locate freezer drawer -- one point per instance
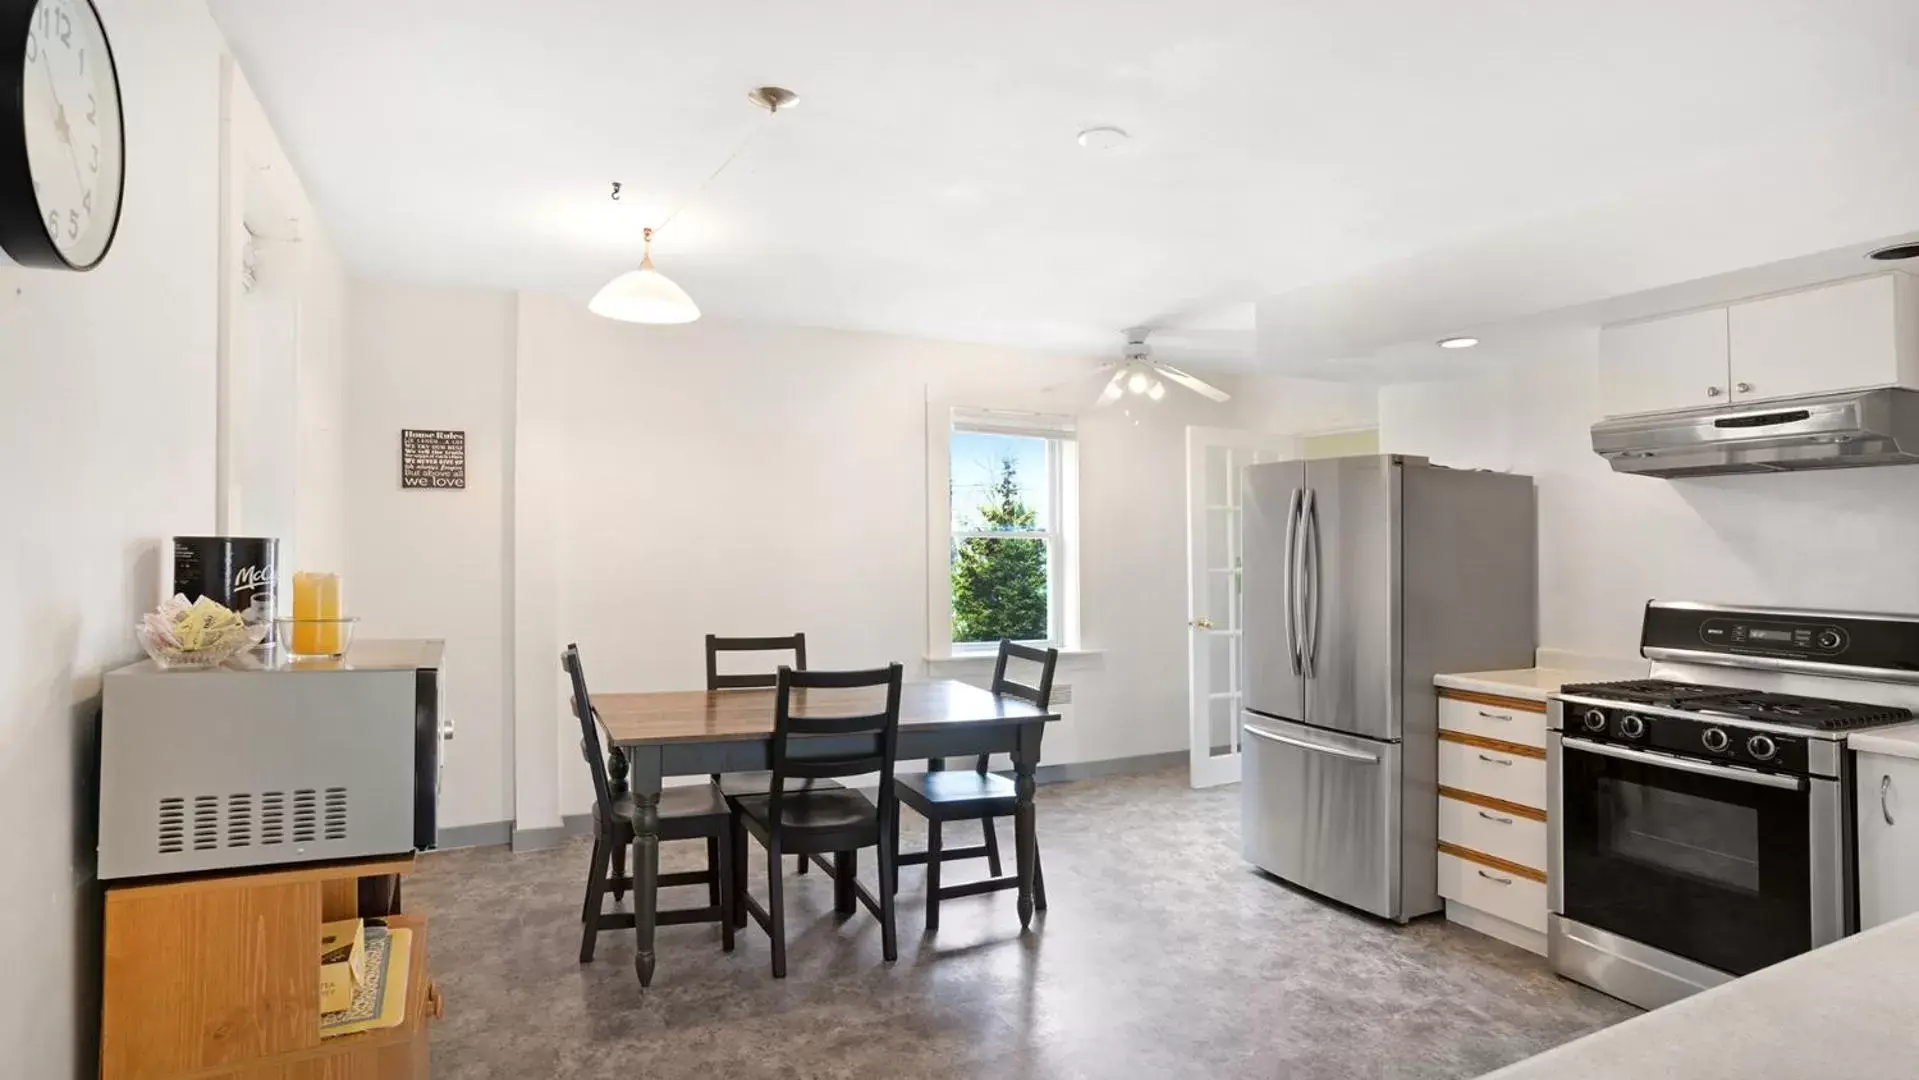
(1322, 811)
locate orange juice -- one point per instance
(316, 596)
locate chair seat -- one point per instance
(736, 785)
(836, 812)
(947, 793)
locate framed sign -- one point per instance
(432, 459)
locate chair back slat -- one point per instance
(590, 746)
(715, 645)
(877, 733)
(1041, 696)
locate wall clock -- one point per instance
(62, 144)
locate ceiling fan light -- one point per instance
(1156, 391)
(1137, 382)
(644, 296)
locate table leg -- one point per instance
(1025, 840)
(644, 777)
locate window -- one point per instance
(1010, 481)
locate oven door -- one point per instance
(1709, 863)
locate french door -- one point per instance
(1215, 459)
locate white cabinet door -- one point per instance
(1837, 337)
(1678, 362)
(1888, 809)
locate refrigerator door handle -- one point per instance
(1292, 579)
(1310, 541)
(1317, 748)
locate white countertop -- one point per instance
(1901, 740)
(1850, 1009)
(1531, 684)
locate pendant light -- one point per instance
(644, 296)
(647, 296)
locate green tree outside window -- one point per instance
(999, 583)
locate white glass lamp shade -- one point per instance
(644, 296)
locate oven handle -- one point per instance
(1702, 768)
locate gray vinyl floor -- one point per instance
(1164, 955)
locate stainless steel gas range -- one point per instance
(1701, 819)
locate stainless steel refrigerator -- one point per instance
(1363, 578)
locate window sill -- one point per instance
(987, 657)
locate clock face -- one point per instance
(70, 111)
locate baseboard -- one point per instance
(493, 833)
(1493, 926)
(1093, 770)
(485, 834)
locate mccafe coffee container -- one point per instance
(237, 571)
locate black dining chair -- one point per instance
(833, 739)
(691, 812)
(941, 796)
(733, 785)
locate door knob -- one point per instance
(1744, 388)
(1715, 391)
(1202, 623)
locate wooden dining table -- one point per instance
(701, 732)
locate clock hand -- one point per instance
(60, 121)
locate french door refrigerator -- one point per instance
(1363, 577)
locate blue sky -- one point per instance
(976, 459)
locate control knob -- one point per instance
(1715, 739)
(1631, 726)
(1762, 747)
(1595, 720)
(1828, 639)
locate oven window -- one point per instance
(1708, 868)
(1682, 834)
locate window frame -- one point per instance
(1060, 535)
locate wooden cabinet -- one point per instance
(1853, 335)
(1888, 807)
(1492, 816)
(1678, 362)
(218, 978)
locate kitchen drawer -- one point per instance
(1513, 837)
(1503, 774)
(1522, 722)
(1494, 891)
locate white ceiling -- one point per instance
(929, 183)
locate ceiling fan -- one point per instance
(1137, 373)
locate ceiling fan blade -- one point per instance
(1115, 389)
(1196, 385)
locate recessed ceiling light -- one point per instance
(1102, 138)
(1897, 252)
(1458, 342)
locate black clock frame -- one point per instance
(23, 231)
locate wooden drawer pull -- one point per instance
(435, 1004)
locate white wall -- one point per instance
(745, 479)
(658, 483)
(107, 392)
(1608, 543)
(432, 563)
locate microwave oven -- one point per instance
(284, 763)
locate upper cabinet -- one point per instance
(1679, 362)
(1853, 335)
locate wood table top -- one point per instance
(670, 716)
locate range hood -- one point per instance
(1829, 431)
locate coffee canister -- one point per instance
(237, 571)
